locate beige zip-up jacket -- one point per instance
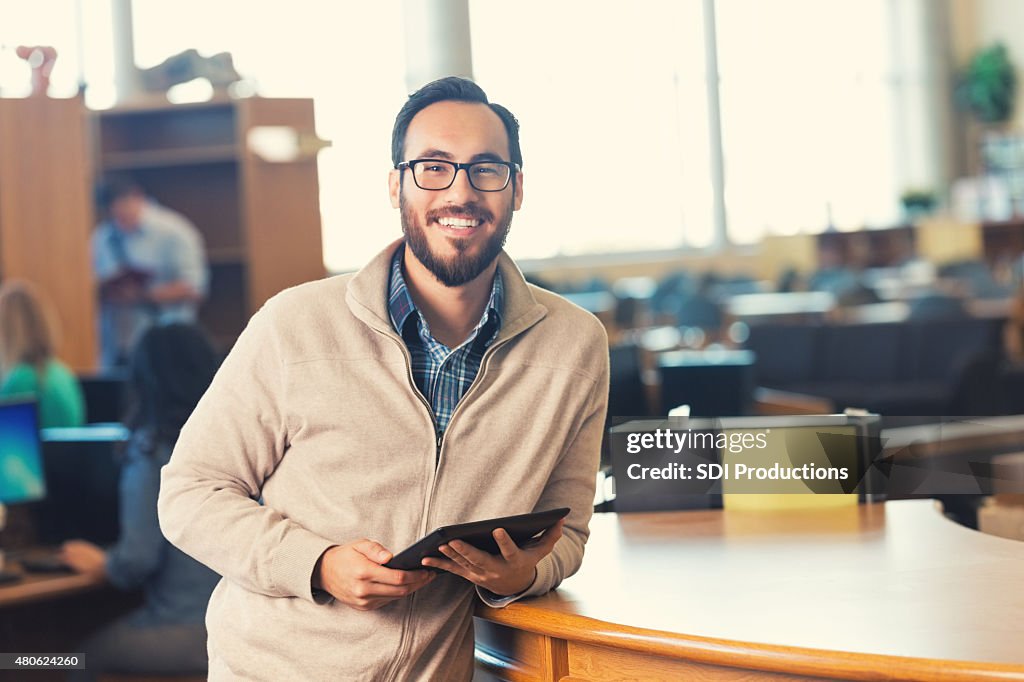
(315, 412)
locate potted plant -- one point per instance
(917, 202)
(988, 85)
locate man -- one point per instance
(150, 267)
(356, 414)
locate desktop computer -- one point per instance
(21, 463)
(82, 470)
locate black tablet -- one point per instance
(521, 528)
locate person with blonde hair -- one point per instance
(28, 364)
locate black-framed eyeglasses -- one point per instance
(436, 175)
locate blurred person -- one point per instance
(28, 364)
(150, 267)
(170, 369)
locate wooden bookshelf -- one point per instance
(46, 214)
(260, 220)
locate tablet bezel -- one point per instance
(521, 527)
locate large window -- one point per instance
(821, 108)
(821, 113)
(614, 121)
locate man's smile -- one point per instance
(458, 222)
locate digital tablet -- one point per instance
(521, 528)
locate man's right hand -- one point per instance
(352, 574)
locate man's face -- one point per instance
(460, 132)
(126, 211)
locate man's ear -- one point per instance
(395, 187)
(517, 197)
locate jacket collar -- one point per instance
(367, 295)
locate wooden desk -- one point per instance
(893, 592)
(44, 587)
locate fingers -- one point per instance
(449, 566)
(374, 551)
(367, 596)
(396, 578)
(550, 537)
(353, 574)
(506, 545)
(367, 569)
(467, 556)
(544, 544)
(374, 590)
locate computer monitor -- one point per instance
(104, 396)
(21, 464)
(82, 473)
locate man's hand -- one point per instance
(353, 575)
(506, 574)
(84, 557)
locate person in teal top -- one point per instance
(28, 365)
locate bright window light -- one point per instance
(612, 102)
(354, 70)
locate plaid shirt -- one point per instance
(441, 374)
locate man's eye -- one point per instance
(434, 168)
(485, 170)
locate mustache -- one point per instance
(467, 211)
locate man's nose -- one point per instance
(461, 187)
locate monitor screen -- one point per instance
(21, 466)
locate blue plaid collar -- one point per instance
(400, 305)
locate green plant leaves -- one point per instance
(988, 86)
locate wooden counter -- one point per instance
(893, 592)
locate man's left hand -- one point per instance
(504, 574)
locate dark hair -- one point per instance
(171, 367)
(450, 89)
(114, 187)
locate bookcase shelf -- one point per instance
(260, 221)
(182, 156)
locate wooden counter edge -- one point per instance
(743, 655)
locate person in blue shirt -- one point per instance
(171, 367)
(150, 266)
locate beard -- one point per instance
(463, 267)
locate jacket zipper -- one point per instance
(403, 642)
(484, 362)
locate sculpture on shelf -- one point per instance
(183, 67)
(41, 59)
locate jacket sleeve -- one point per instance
(572, 483)
(231, 444)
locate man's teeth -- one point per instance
(458, 222)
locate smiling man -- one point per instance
(357, 413)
